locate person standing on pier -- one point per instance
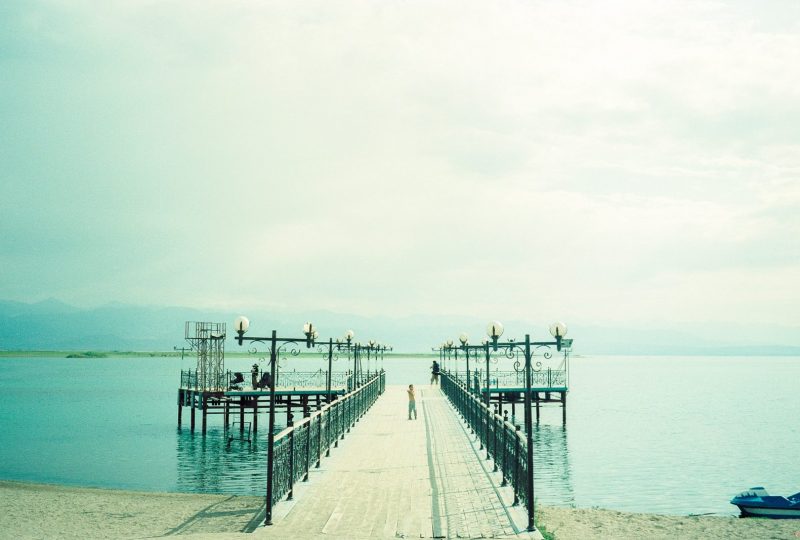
(435, 372)
(254, 376)
(412, 402)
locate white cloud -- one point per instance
(594, 159)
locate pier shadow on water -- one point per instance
(211, 463)
(552, 471)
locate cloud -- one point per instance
(590, 160)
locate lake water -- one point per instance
(673, 435)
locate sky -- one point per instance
(606, 162)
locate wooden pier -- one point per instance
(398, 478)
(236, 405)
(230, 404)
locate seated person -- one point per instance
(237, 381)
(266, 380)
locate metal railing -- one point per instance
(286, 379)
(546, 378)
(540, 380)
(502, 440)
(299, 447)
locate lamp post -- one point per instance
(372, 346)
(454, 351)
(466, 347)
(182, 349)
(332, 345)
(448, 351)
(383, 349)
(464, 339)
(275, 345)
(494, 331)
(348, 345)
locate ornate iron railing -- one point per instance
(299, 447)
(191, 379)
(546, 378)
(540, 380)
(286, 379)
(502, 440)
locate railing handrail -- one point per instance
(190, 379)
(297, 447)
(310, 418)
(510, 456)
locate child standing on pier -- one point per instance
(412, 402)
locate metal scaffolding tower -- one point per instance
(208, 339)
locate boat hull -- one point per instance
(774, 513)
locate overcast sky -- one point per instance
(603, 162)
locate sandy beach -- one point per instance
(569, 524)
(46, 511)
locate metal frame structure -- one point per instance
(208, 340)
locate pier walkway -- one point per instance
(398, 478)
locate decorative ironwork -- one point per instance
(542, 378)
(288, 379)
(299, 448)
(279, 349)
(325, 350)
(485, 423)
(503, 441)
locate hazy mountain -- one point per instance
(54, 325)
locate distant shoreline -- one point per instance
(163, 354)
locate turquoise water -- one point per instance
(674, 435)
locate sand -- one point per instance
(46, 511)
(568, 524)
(55, 512)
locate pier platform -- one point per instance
(399, 478)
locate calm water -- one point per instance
(676, 435)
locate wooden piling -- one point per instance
(255, 414)
(205, 411)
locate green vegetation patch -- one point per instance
(87, 354)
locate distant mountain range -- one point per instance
(54, 325)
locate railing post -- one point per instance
(307, 427)
(505, 448)
(349, 418)
(328, 439)
(517, 457)
(339, 425)
(495, 419)
(319, 439)
(487, 428)
(291, 466)
(473, 421)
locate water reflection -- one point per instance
(552, 471)
(209, 464)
